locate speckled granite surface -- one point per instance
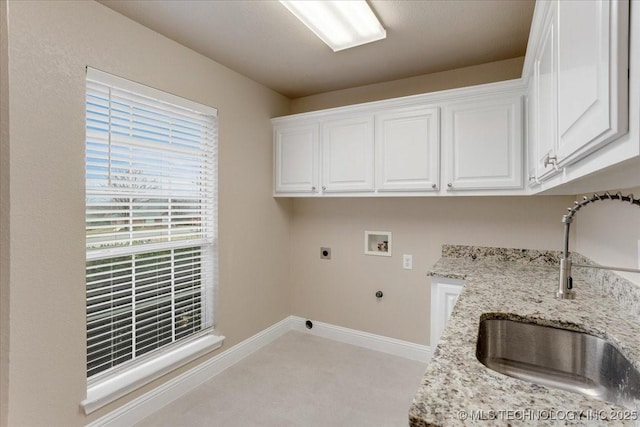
(626, 293)
(519, 285)
(522, 256)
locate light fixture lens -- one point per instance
(340, 24)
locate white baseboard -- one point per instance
(147, 404)
(408, 350)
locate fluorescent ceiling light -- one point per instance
(339, 23)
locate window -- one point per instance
(151, 208)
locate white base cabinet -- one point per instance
(444, 294)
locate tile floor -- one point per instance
(302, 380)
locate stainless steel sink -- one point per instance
(559, 358)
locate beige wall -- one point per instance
(468, 76)
(4, 218)
(608, 233)
(269, 262)
(341, 291)
(50, 43)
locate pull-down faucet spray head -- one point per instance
(565, 285)
(565, 288)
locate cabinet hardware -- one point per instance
(551, 160)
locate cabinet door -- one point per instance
(347, 154)
(444, 295)
(544, 79)
(407, 150)
(483, 144)
(530, 132)
(592, 75)
(296, 159)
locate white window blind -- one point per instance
(151, 215)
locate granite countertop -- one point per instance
(521, 285)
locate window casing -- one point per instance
(151, 214)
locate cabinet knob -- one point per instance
(551, 160)
(313, 188)
(434, 186)
(450, 185)
(324, 188)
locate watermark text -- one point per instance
(547, 415)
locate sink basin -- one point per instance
(558, 358)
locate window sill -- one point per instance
(114, 387)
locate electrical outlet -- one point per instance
(325, 253)
(407, 262)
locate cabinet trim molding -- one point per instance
(434, 99)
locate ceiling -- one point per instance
(265, 42)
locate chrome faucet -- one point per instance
(565, 286)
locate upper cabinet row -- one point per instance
(577, 71)
(566, 125)
(397, 148)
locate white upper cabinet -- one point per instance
(347, 154)
(407, 150)
(580, 85)
(577, 68)
(296, 158)
(592, 75)
(545, 96)
(396, 147)
(482, 141)
(531, 119)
